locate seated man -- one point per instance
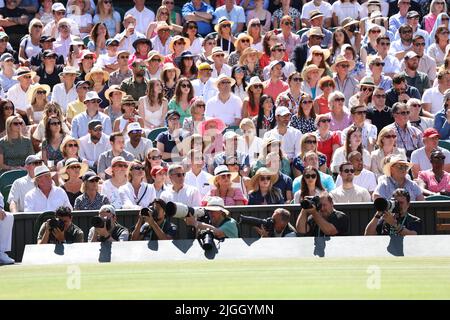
(362, 177)
(322, 221)
(6, 228)
(397, 222)
(349, 192)
(111, 230)
(281, 226)
(69, 233)
(222, 225)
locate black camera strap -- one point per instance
(145, 191)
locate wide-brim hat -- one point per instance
(70, 162)
(35, 87)
(368, 82)
(263, 171)
(220, 171)
(113, 88)
(92, 95)
(215, 51)
(315, 31)
(248, 52)
(69, 70)
(170, 66)
(394, 160)
(23, 71)
(243, 36)
(254, 81)
(223, 77)
(184, 55)
(40, 171)
(176, 38)
(152, 54)
(66, 140)
(347, 22)
(141, 40)
(216, 204)
(340, 59)
(162, 25)
(221, 21)
(220, 125)
(309, 68)
(115, 160)
(373, 26)
(88, 76)
(326, 53)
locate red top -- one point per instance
(326, 147)
(265, 60)
(323, 104)
(274, 89)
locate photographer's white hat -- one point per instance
(216, 204)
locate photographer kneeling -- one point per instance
(280, 225)
(60, 229)
(105, 226)
(319, 218)
(392, 217)
(222, 225)
(153, 224)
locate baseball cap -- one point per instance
(47, 38)
(410, 54)
(134, 126)
(282, 111)
(32, 159)
(58, 6)
(107, 208)
(111, 41)
(93, 124)
(171, 113)
(204, 66)
(81, 82)
(412, 14)
(276, 62)
(90, 176)
(431, 133)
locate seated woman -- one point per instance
(54, 136)
(153, 106)
(327, 141)
(71, 175)
(38, 99)
(128, 115)
(118, 173)
(310, 185)
(308, 142)
(153, 159)
(224, 188)
(435, 180)
(244, 183)
(269, 146)
(14, 146)
(69, 148)
(137, 193)
(191, 124)
(91, 199)
(304, 119)
(263, 192)
(6, 110)
(249, 143)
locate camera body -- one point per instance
(311, 202)
(56, 223)
(382, 204)
(146, 212)
(268, 224)
(206, 239)
(99, 222)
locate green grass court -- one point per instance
(312, 278)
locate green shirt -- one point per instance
(133, 88)
(15, 151)
(173, 105)
(229, 227)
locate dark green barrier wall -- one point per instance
(359, 215)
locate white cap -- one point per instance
(282, 111)
(58, 6)
(134, 126)
(92, 95)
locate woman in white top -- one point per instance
(38, 98)
(353, 142)
(128, 115)
(438, 49)
(342, 9)
(190, 30)
(79, 12)
(254, 30)
(249, 143)
(153, 106)
(29, 46)
(239, 88)
(137, 193)
(110, 187)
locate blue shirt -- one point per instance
(387, 186)
(326, 180)
(442, 125)
(80, 124)
(203, 27)
(395, 22)
(237, 15)
(284, 183)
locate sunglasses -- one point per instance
(325, 120)
(360, 113)
(38, 26)
(245, 40)
(164, 13)
(21, 123)
(220, 55)
(310, 176)
(258, 86)
(38, 163)
(75, 167)
(344, 65)
(370, 89)
(98, 129)
(375, 31)
(419, 44)
(297, 79)
(349, 170)
(339, 99)
(124, 57)
(179, 43)
(26, 77)
(383, 96)
(316, 54)
(128, 104)
(280, 49)
(310, 141)
(70, 145)
(138, 168)
(327, 84)
(184, 85)
(41, 92)
(226, 25)
(233, 164)
(8, 107)
(264, 178)
(415, 105)
(155, 157)
(378, 64)
(169, 2)
(192, 27)
(52, 111)
(401, 167)
(225, 82)
(307, 101)
(121, 165)
(89, 57)
(256, 24)
(385, 43)
(403, 113)
(179, 175)
(210, 43)
(107, 2)
(225, 176)
(55, 123)
(390, 136)
(288, 23)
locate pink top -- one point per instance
(274, 89)
(428, 177)
(229, 201)
(341, 125)
(430, 20)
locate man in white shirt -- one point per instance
(18, 92)
(108, 60)
(162, 40)
(45, 196)
(129, 35)
(319, 5)
(362, 177)
(93, 144)
(137, 145)
(65, 92)
(196, 177)
(142, 14)
(433, 98)
(204, 85)
(289, 136)
(224, 104)
(219, 66)
(64, 39)
(231, 12)
(349, 192)
(21, 186)
(391, 63)
(179, 191)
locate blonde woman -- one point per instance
(137, 193)
(249, 143)
(263, 191)
(38, 99)
(308, 142)
(30, 44)
(162, 15)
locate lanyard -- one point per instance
(392, 230)
(408, 134)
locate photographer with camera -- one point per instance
(280, 225)
(153, 224)
(105, 226)
(222, 225)
(319, 218)
(60, 229)
(392, 217)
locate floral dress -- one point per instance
(303, 124)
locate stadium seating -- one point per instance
(440, 225)
(154, 133)
(9, 177)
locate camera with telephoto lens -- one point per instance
(181, 211)
(382, 204)
(99, 222)
(311, 202)
(256, 222)
(206, 239)
(146, 212)
(56, 223)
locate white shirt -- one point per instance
(419, 157)
(290, 141)
(49, 27)
(143, 18)
(339, 157)
(435, 98)
(369, 131)
(196, 46)
(128, 42)
(139, 152)
(355, 194)
(228, 111)
(324, 7)
(62, 46)
(236, 15)
(92, 151)
(62, 97)
(226, 69)
(366, 179)
(344, 10)
(145, 196)
(205, 90)
(81, 21)
(201, 182)
(287, 70)
(19, 189)
(397, 46)
(36, 201)
(159, 47)
(112, 193)
(18, 97)
(253, 150)
(188, 195)
(391, 65)
(105, 59)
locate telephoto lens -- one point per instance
(97, 222)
